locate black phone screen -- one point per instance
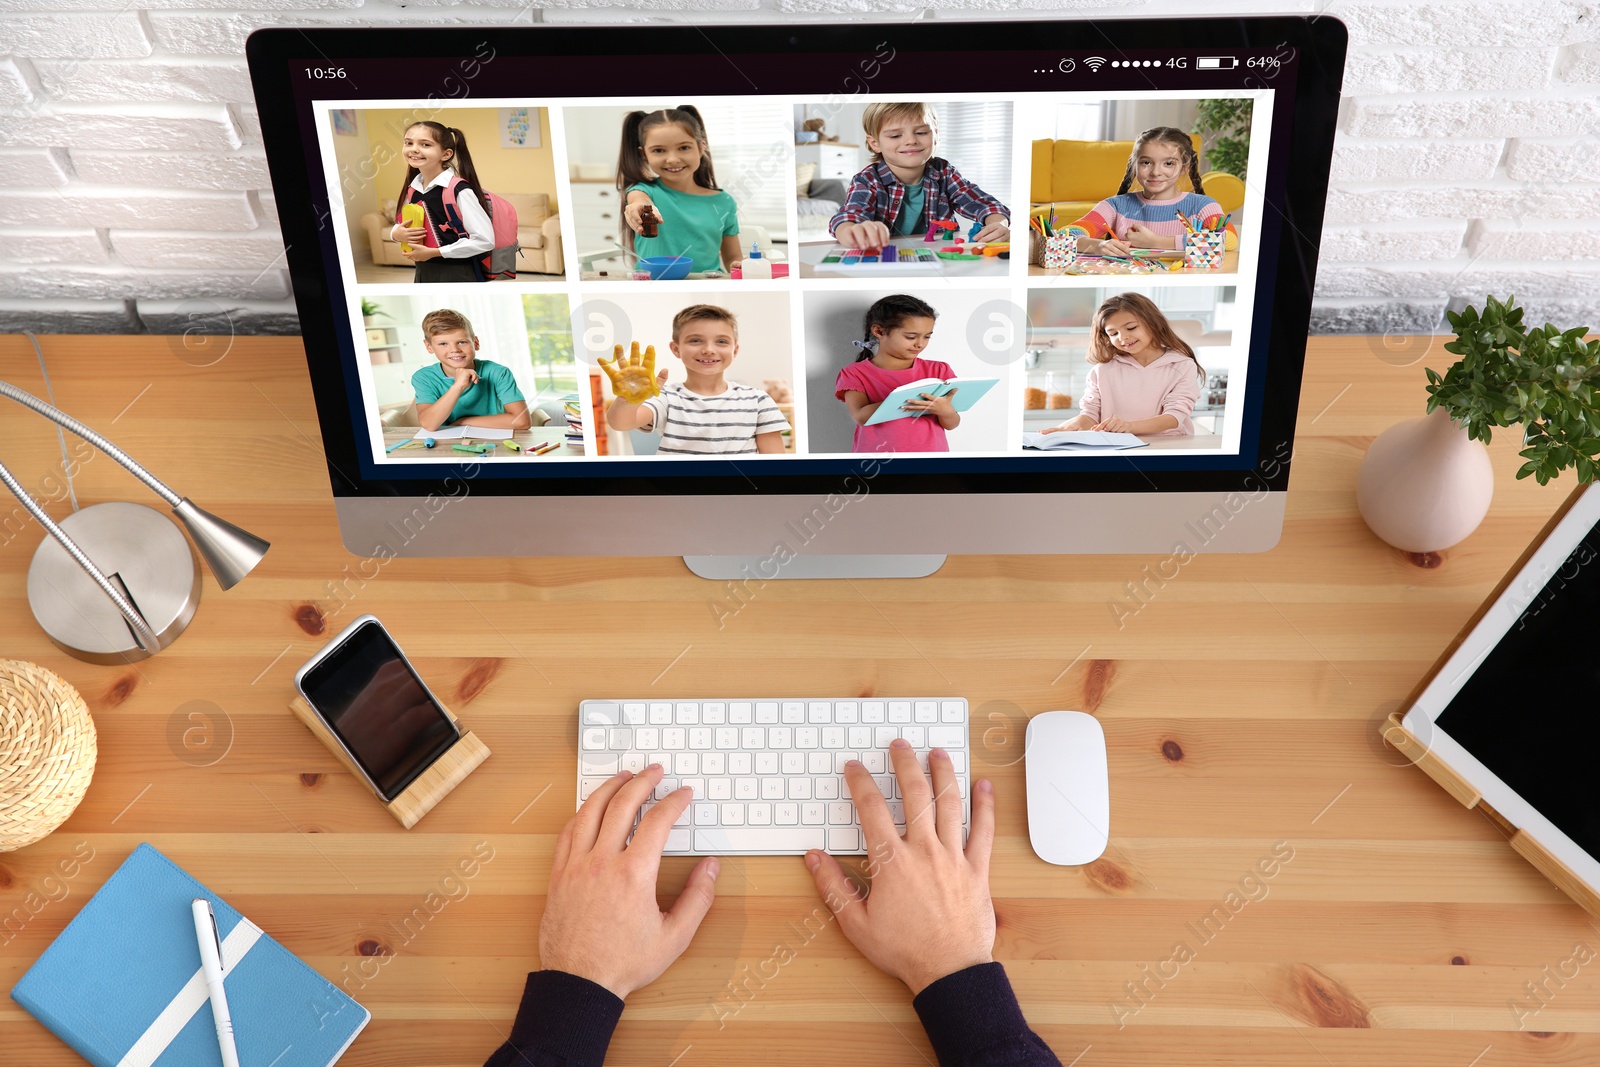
(369, 696)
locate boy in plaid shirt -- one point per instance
(906, 188)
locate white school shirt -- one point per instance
(479, 239)
(725, 424)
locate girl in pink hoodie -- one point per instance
(1143, 378)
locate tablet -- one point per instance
(1510, 709)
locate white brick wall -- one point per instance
(132, 148)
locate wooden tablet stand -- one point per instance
(430, 787)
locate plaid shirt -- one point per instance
(876, 194)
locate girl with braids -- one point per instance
(456, 231)
(897, 329)
(1143, 377)
(672, 205)
(1161, 158)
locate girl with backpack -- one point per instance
(449, 235)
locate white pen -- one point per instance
(205, 930)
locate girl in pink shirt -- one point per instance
(1143, 378)
(897, 329)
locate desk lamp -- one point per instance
(119, 583)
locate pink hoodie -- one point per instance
(1123, 388)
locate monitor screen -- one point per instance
(555, 262)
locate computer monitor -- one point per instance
(1110, 226)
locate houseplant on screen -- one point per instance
(1426, 484)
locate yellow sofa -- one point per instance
(1077, 175)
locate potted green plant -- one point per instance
(1426, 484)
(369, 311)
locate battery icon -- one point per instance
(1216, 62)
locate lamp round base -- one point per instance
(133, 545)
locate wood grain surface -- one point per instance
(1242, 701)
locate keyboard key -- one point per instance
(660, 714)
(812, 814)
(686, 763)
(695, 786)
(760, 814)
(619, 738)
(819, 711)
(860, 737)
(635, 714)
(719, 789)
(739, 712)
(712, 762)
(721, 842)
(841, 813)
(727, 737)
(597, 763)
(875, 761)
(596, 713)
(883, 735)
(819, 763)
(665, 786)
(827, 788)
(926, 711)
(806, 737)
(647, 737)
(686, 714)
(846, 711)
(846, 839)
(680, 840)
(787, 814)
(833, 737)
(738, 763)
(793, 711)
(663, 758)
(699, 738)
(746, 789)
(766, 763)
(899, 711)
(914, 735)
(780, 737)
(952, 711)
(593, 739)
(792, 762)
(872, 711)
(705, 814)
(958, 760)
(772, 788)
(587, 786)
(753, 737)
(946, 737)
(713, 714)
(673, 738)
(799, 788)
(766, 711)
(841, 758)
(633, 761)
(731, 814)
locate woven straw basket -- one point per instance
(47, 752)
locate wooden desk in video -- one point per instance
(1241, 697)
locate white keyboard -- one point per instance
(768, 775)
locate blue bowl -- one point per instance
(666, 268)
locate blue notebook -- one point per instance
(967, 393)
(122, 984)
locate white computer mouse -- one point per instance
(1069, 790)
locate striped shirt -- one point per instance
(721, 425)
(1114, 216)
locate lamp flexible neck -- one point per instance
(61, 418)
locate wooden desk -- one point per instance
(1241, 704)
(1230, 266)
(443, 450)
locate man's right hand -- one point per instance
(928, 912)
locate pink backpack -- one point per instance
(500, 262)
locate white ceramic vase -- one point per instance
(1424, 485)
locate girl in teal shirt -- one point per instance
(665, 166)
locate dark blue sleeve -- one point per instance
(973, 1020)
(564, 1021)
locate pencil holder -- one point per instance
(1203, 250)
(1060, 250)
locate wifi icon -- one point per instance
(1095, 62)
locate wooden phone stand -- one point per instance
(430, 787)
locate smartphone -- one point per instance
(367, 693)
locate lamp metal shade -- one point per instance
(230, 552)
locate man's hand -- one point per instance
(928, 912)
(635, 379)
(601, 920)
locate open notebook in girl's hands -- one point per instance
(1081, 440)
(963, 393)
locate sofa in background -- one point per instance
(1074, 176)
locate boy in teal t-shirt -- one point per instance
(462, 389)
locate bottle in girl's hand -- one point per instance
(413, 215)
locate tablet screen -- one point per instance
(1531, 711)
